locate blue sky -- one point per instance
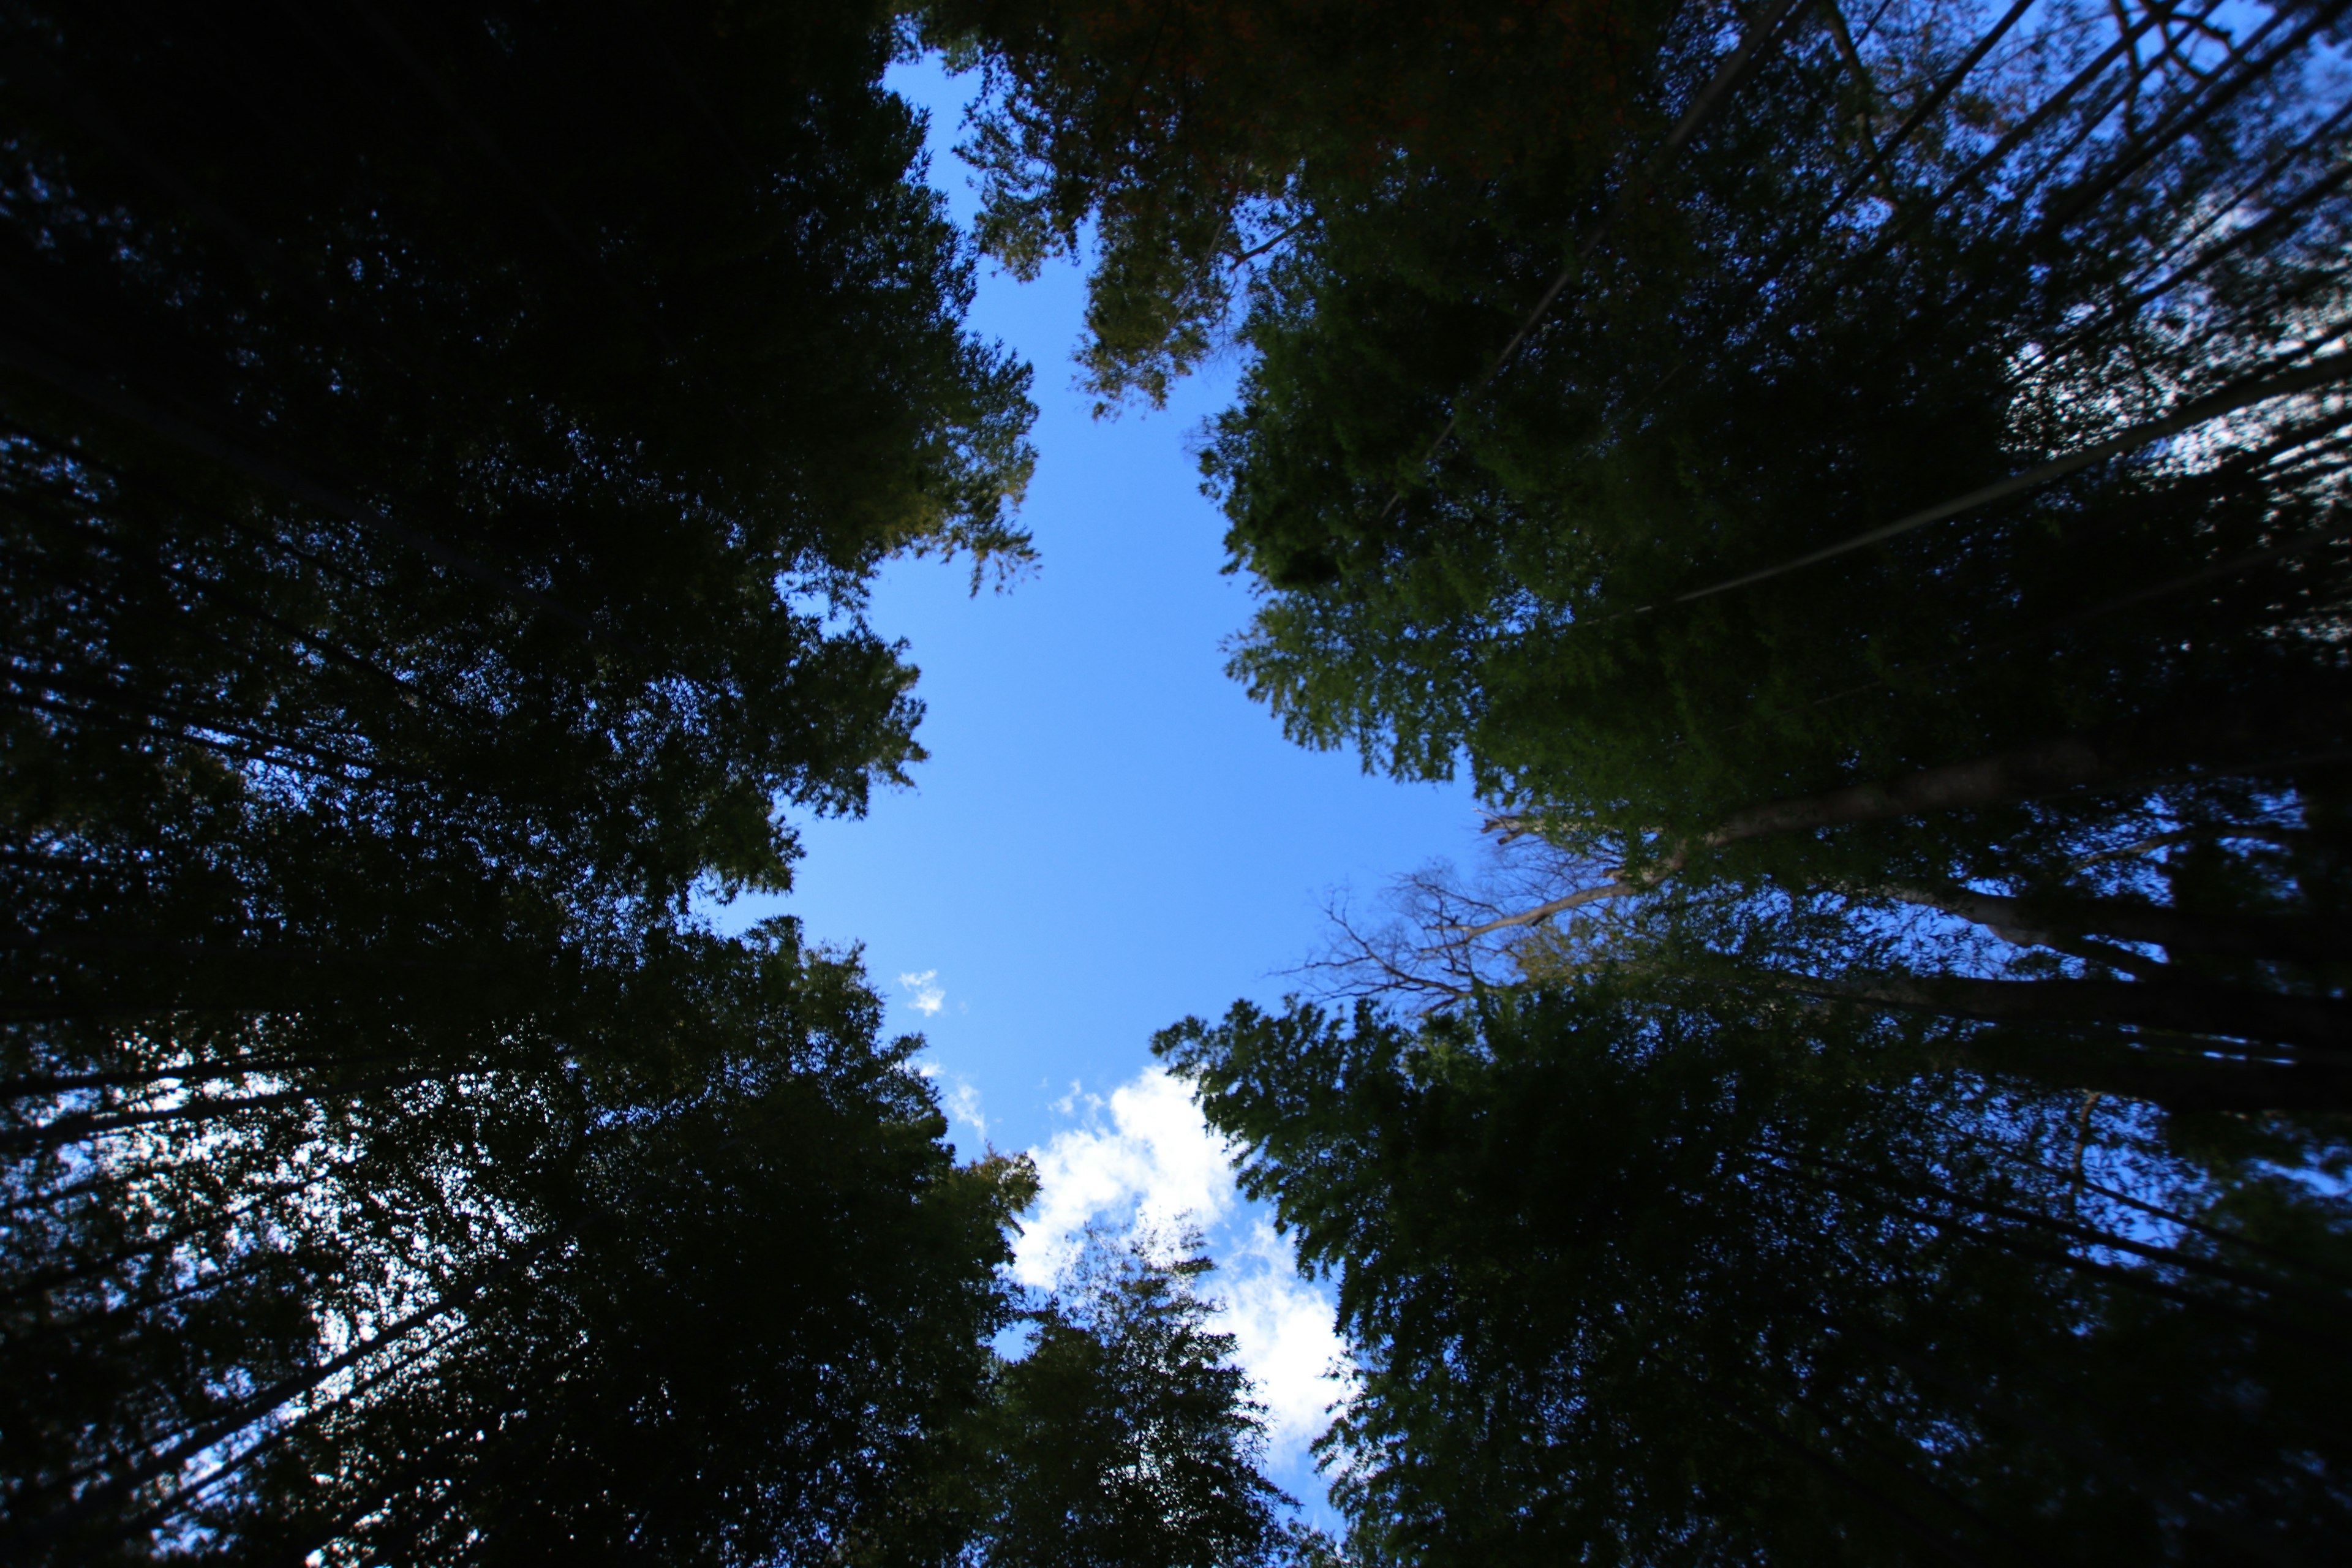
(1108, 834)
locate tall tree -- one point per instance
(1128, 1435)
(1580, 588)
(1874, 519)
(1507, 440)
(443, 450)
(1909, 457)
(2200, 966)
(1634, 1278)
(554, 1306)
(1186, 139)
(464, 421)
(1122, 1436)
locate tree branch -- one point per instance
(1545, 910)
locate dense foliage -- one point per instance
(1645, 1277)
(443, 448)
(677, 1279)
(1862, 498)
(1508, 439)
(1122, 1436)
(474, 428)
(1186, 138)
(1861, 493)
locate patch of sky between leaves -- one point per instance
(1142, 1157)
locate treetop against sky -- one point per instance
(1830, 518)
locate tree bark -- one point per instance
(2297, 938)
(2317, 1024)
(2252, 737)
(2181, 1083)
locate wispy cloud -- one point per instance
(1155, 1163)
(963, 1105)
(960, 1100)
(925, 995)
(1283, 1331)
(1144, 1156)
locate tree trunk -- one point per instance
(2317, 1024)
(2275, 735)
(193, 1072)
(81, 1125)
(2297, 938)
(2181, 1081)
(212, 1224)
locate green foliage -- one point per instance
(1511, 415)
(443, 450)
(1884, 534)
(1754, 362)
(480, 424)
(1128, 1435)
(1123, 1437)
(1637, 1277)
(610, 1305)
(1185, 138)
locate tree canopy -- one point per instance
(1121, 1434)
(1639, 1276)
(514, 1310)
(1533, 463)
(443, 448)
(1194, 136)
(1860, 492)
(1903, 463)
(1861, 499)
(481, 423)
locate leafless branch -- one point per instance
(1546, 910)
(1444, 938)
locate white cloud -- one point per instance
(1158, 1160)
(1146, 1157)
(963, 1105)
(926, 994)
(1283, 1331)
(961, 1101)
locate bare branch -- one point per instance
(1447, 938)
(1549, 908)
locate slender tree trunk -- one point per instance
(206, 952)
(242, 1412)
(2076, 1230)
(2184, 1082)
(2251, 737)
(137, 1306)
(219, 1220)
(2301, 940)
(199, 1071)
(2318, 1024)
(2137, 1280)
(75, 1128)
